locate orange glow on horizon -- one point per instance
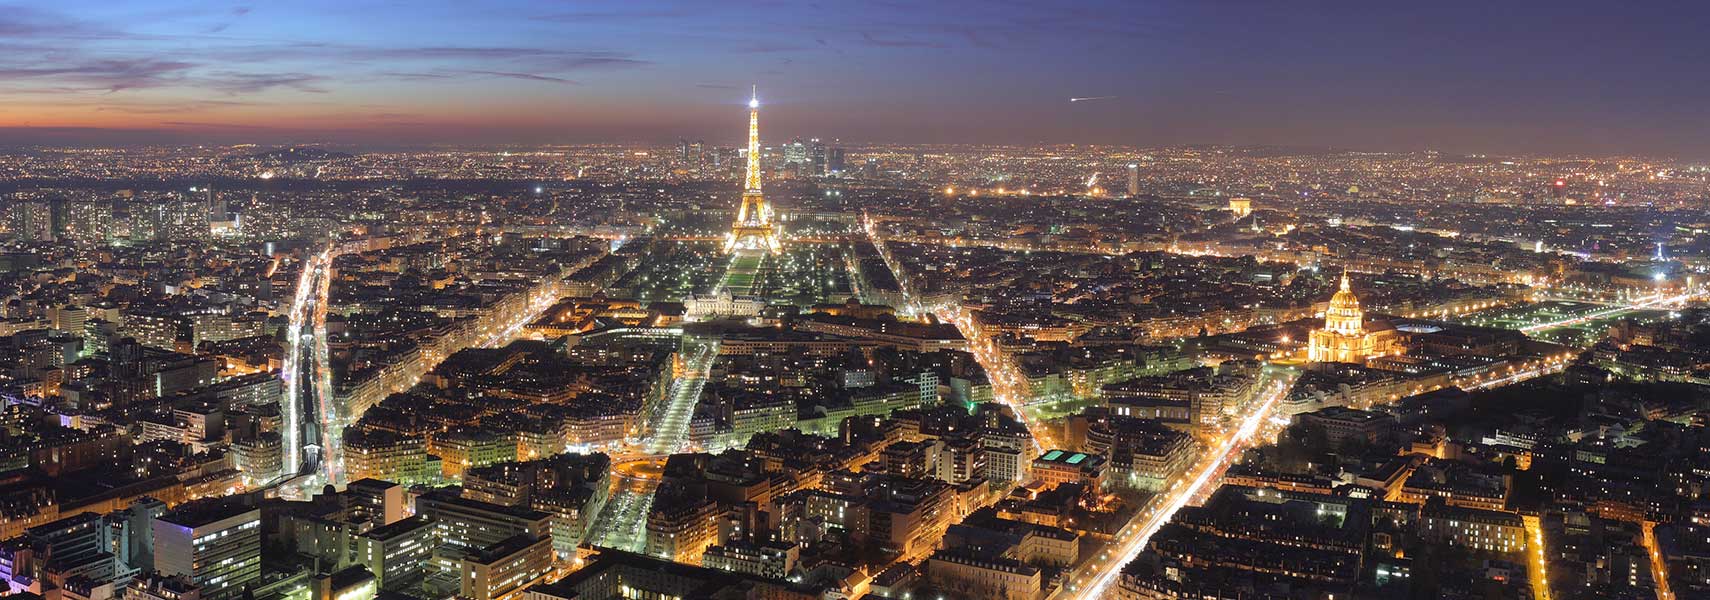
(445, 118)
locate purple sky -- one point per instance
(1529, 76)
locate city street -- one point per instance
(1094, 578)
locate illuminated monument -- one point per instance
(753, 229)
(1345, 337)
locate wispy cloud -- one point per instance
(161, 108)
(249, 83)
(525, 76)
(895, 42)
(446, 62)
(19, 22)
(235, 14)
(765, 48)
(109, 75)
(590, 16)
(594, 60)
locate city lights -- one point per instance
(509, 305)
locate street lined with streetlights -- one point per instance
(1100, 573)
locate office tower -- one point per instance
(80, 546)
(217, 209)
(145, 220)
(467, 526)
(834, 161)
(216, 543)
(174, 219)
(89, 222)
(381, 502)
(398, 553)
(32, 220)
(816, 157)
(502, 571)
(1133, 180)
(186, 220)
(796, 153)
(138, 523)
(71, 319)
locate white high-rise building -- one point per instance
(215, 544)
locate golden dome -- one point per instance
(1344, 297)
(1344, 315)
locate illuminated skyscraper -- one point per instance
(753, 229)
(217, 208)
(32, 221)
(1133, 180)
(90, 222)
(834, 161)
(816, 158)
(796, 153)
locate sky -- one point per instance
(1518, 76)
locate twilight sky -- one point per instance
(1555, 77)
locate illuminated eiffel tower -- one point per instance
(753, 229)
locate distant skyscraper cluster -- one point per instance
(799, 157)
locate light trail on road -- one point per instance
(621, 523)
(1164, 506)
(670, 428)
(1010, 389)
(306, 336)
(1009, 386)
(332, 418)
(1659, 565)
(540, 299)
(1536, 571)
(292, 437)
(307, 341)
(1649, 302)
(1517, 377)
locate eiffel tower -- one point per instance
(753, 229)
